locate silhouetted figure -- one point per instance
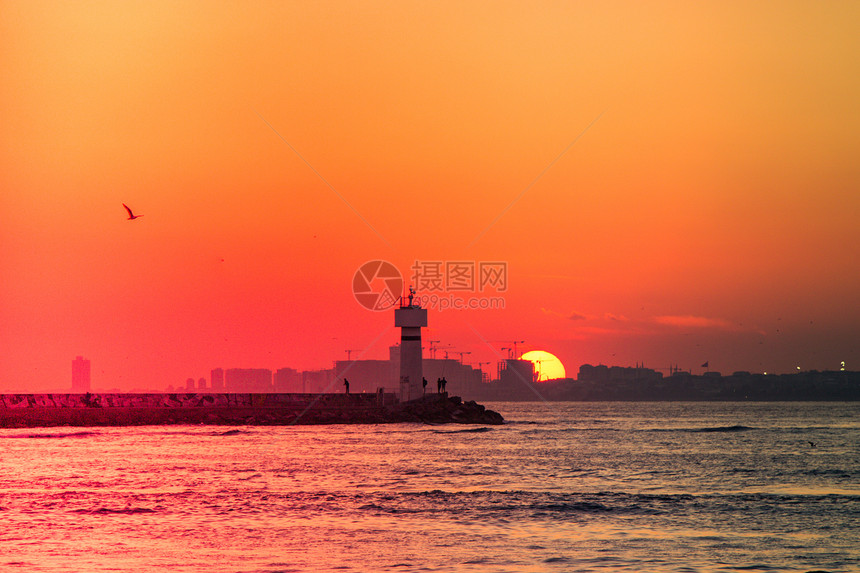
(424, 385)
(438, 385)
(444, 385)
(346, 386)
(131, 216)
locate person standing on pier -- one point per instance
(346, 386)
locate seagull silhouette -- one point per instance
(131, 216)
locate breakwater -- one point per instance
(118, 409)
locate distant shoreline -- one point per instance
(616, 384)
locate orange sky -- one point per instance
(710, 213)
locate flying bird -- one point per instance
(131, 216)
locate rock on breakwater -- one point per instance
(442, 409)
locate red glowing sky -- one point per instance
(707, 209)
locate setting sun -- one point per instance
(547, 366)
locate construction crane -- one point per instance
(515, 342)
(671, 369)
(481, 365)
(484, 376)
(461, 355)
(444, 348)
(537, 371)
(512, 349)
(433, 348)
(349, 353)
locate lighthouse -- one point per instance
(410, 317)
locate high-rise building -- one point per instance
(316, 381)
(288, 380)
(516, 379)
(217, 378)
(248, 380)
(80, 375)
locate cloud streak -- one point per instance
(690, 321)
(615, 317)
(571, 316)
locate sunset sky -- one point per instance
(667, 182)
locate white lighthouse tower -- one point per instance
(410, 317)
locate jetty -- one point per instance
(269, 409)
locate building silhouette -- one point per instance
(80, 375)
(248, 380)
(515, 380)
(461, 379)
(216, 377)
(366, 375)
(288, 380)
(318, 381)
(618, 374)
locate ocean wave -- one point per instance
(513, 505)
(231, 433)
(828, 472)
(736, 428)
(705, 430)
(56, 435)
(112, 511)
(518, 504)
(467, 431)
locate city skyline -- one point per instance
(669, 184)
(519, 375)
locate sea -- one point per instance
(612, 486)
